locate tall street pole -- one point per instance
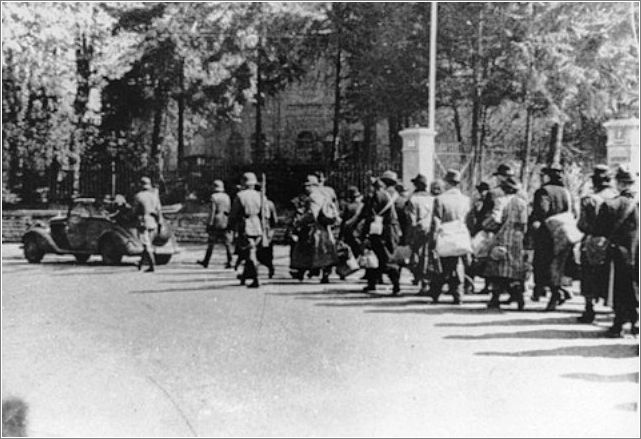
(432, 103)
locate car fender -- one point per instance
(44, 239)
(171, 247)
(126, 243)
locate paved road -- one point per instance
(109, 351)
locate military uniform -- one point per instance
(148, 209)
(245, 220)
(217, 223)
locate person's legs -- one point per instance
(498, 286)
(251, 264)
(210, 249)
(395, 275)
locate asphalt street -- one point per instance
(109, 351)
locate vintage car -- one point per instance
(91, 228)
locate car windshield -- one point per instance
(88, 210)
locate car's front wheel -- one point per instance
(111, 254)
(162, 258)
(32, 251)
(82, 258)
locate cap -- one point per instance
(601, 172)
(145, 181)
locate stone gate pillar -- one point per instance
(418, 154)
(623, 143)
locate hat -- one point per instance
(601, 172)
(120, 200)
(511, 183)
(311, 180)
(504, 170)
(353, 192)
(553, 169)
(452, 176)
(249, 179)
(482, 186)
(624, 175)
(390, 176)
(219, 186)
(420, 179)
(145, 181)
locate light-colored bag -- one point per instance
(563, 227)
(376, 226)
(482, 243)
(368, 259)
(453, 239)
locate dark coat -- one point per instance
(625, 238)
(594, 278)
(616, 222)
(549, 267)
(385, 245)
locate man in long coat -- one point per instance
(549, 267)
(618, 220)
(594, 277)
(451, 205)
(245, 220)
(419, 210)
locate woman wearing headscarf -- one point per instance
(505, 267)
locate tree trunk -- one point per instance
(337, 102)
(258, 149)
(156, 134)
(556, 143)
(525, 159)
(475, 136)
(84, 55)
(395, 140)
(181, 116)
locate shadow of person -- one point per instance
(632, 377)
(542, 334)
(590, 351)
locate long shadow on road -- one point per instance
(542, 334)
(632, 377)
(605, 350)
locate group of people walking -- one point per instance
(446, 240)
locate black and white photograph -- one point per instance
(320, 219)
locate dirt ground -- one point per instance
(94, 351)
